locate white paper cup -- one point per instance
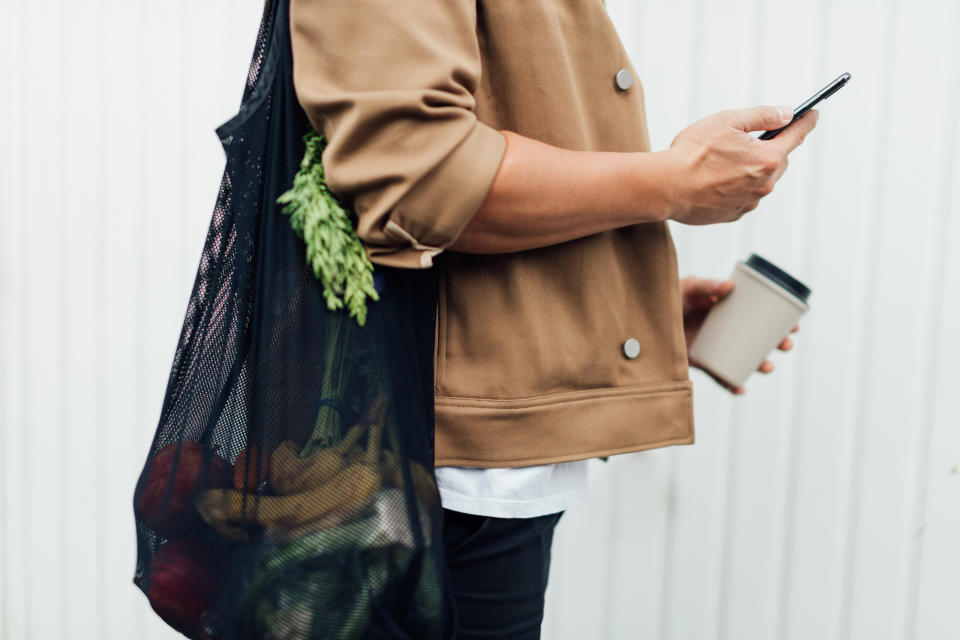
(743, 328)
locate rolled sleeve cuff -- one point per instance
(438, 207)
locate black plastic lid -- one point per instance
(778, 275)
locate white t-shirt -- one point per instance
(513, 492)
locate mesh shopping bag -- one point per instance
(289, 490)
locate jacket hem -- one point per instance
(562, 427)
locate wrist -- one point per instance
(660, 186)
(675, 182)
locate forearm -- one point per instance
(543, 195)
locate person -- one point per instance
(505, 144)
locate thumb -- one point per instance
(761, 118)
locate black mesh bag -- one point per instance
(289, 491)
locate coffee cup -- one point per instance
(746, 325)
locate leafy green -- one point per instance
(334, 250)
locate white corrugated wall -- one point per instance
(822, 505)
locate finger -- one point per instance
(719, 289)
(759, 118)
(700, 291)
(766, 367)
(690, 285)
(747, 209)
(732, 389)
(794, 135)
(796, 328)
(782, 169)
(706, 285)
(785, 345)
(695, 284)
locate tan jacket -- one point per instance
(530, 365)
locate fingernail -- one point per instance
(786, 113)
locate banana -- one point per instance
(229, 511)
(285, 464)
(364, 482)
(289, 473)
(355, 455)
(357, 485)
(321, 465)
(346, 493)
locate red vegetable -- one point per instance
(184, 581)
(189, 467)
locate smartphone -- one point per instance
(815, 99)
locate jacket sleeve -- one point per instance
(391, 85)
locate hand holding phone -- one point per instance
(815, 99)
(724, 173)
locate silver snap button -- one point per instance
(631, 348)
(624, 79)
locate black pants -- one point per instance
(499, 569)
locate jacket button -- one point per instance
(631, 348)
(624, 79)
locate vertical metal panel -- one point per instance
(82, 577)
(932, 288)
(823, 504)
(935, 613)
(125, 143)
(12, 231)
(906, 219)
(42, 338)
(580, 588)
(637, 544)
(96, 158)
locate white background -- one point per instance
(822, 505)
